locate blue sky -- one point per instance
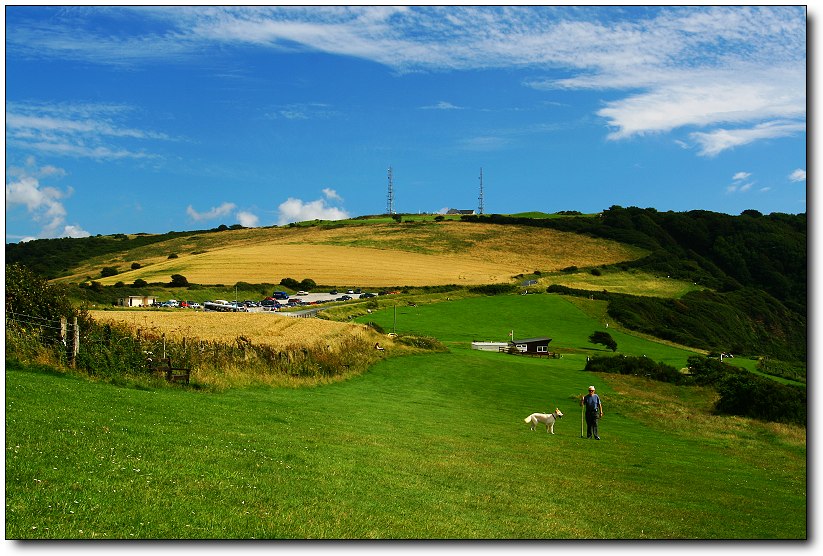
(154, 118)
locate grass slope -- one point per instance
(427, 446)
(457, 323)
(422, 447)
(375, 254)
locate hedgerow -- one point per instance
(741, 392)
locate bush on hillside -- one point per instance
(493, 289)
(743, 393)
(290, 283)
(308, 284)
(636, 366)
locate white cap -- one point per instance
(591, 387)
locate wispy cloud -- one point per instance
(798, 175)
(666, 68)
(740, 183)
(215, 212)
(76, 130)
(302, 111)
(331, 195)
(714, 142)
(44, 204)
(442, 105)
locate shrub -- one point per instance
(173, 255)
(637, 366)
(308, 284)
(603, 338)
(140, 283)
(290, 283)
(108, 271)
(135, 266)
(178, 281)
(493, 289)
(748, 395)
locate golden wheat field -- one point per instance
(376, 255)
(259, 328)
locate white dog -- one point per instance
(547, 418)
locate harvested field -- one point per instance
(260, 328)
(377, 255)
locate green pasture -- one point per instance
(459, 322)
(420, 447)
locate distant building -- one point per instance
(137, 301)
(490, 346)
(532, 346)
(459, 211)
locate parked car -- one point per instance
(280, 295)
(344, 297)
(301, 292)
(195, 305)
(366, 295)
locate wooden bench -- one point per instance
(163, 367)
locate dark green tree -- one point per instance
(603, 338)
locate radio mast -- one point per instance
(480, 198)
(390, 196)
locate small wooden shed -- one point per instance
(532, 346)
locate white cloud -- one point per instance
(714, 142)
(798, 175)
(215, 212)
(296, 210)
(74, 231)
(331, 194)
(247, 219)
(44, 204)
(741, 176)
(666, 67)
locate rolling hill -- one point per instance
(416, 253)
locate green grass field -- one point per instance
(426, 446)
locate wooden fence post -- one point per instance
(75, 348)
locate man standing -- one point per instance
(594, 411)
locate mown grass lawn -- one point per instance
(421, 447)
(425, 446)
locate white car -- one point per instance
(301, 292)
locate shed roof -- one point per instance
(532, 340)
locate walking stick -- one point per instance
(582, 408)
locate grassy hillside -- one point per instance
(364, 252)
(420, 447)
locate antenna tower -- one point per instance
(480, 198)
(390, 196)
